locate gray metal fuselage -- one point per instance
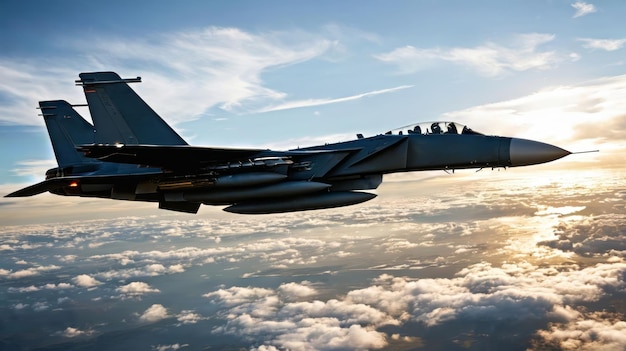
(384, 154)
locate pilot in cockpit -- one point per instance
(452, 128)
(415, 130)
(435, 128)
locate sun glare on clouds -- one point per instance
(581, 117)
(408, 269)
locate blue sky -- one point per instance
(532, 258)
(281, 74)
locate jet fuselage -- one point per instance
(130, 153)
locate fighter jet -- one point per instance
(131, 153)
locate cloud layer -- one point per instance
(479, 292)
(476, 258)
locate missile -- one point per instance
(226, 181)
(284, 189)
(303, 203)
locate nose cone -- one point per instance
(527, 152)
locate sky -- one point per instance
(527, 258)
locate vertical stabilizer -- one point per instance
(120, 115)
(67, 129)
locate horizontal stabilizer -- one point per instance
(60, 182)
(38, 188)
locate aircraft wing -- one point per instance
(167, 156)
(181, 157)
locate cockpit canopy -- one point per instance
(428, 128)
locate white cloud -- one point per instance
(40, 306)
(288, 250)
(265, 348)
(596, 236)
(68, 258)
(318, 102)
(16, 82)
(315, 325)
(321, 336)
(297, 291)
(195, 69)
(86, 281)
(71, 332)
(28, 272)
(154, 313)
(583, 9)
(594, 332)
(20, 306)
(603, 44)
(307, 141)
(176, 268)
(30, 288)
(33, 168)
(480, 292)
(238, 295)
(50, 286)
(397, 244)
(156, 268)
(61, 300)
(169, 347)
(189, 317)
(490, 59)
(594, 112)
(136, 289)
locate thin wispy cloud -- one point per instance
(24, 82)
(33, 168)
(603, 44)
(186, 72)
(583, 9)
(319, 102)
(70, 332)
(490, 59)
